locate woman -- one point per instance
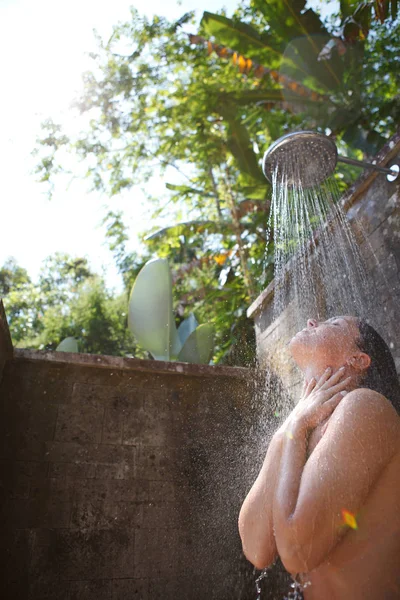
(327, 499)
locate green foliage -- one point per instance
(170, 105)
(198, 347)
(152, 321)
(68, 345)
(68, 300)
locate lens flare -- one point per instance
(349, 519)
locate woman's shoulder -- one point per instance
(370, 398)
(368, 405)
(366, 419)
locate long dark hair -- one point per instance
(381, 375)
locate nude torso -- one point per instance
(366, 562)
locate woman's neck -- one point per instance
(316, 372)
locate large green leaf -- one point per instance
(69, 344)
(347, 7)
(370, 142)
(150, 316)
(288, 19)
(187, 327)
(301, 63)
(303, 36)
(244, 97)
(279, 48)
(199, 346)
(239, 143)
(186, 190)
(243, 38)
(190, 227)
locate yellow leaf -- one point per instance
(220, 259)
(242, 64)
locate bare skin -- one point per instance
(366, 562)
(338, 450)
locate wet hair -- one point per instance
(381, 375)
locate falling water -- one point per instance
(318, 263)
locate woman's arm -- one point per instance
(255, 518)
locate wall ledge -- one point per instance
(100, 361)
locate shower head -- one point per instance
(303, 155)
(309, 157)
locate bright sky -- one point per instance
(42, 48)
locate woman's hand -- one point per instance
(319, 400)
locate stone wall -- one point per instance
(6, 349)
(372, 206)
(122, 478)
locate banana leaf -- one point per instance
(244, 97)
(243, 38)
(199, 346)
(370, 142)
(186, 190)
(191, 227)
(150, 315)
(69, 344)
(187, 327)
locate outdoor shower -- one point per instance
(310, 157)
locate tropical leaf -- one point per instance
(199, 346)
(150, 316)
(303, 36)
(244, 97)
(243, 38)
(367, 141)
(190, 227)
(69, 344)
(288, 19)
(186, 328)
(297, 59)
(239, 142)
(248, 66)
(347, 7)
(240, 145)
(186, 190)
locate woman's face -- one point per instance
(328, 343)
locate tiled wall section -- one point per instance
(123, 485)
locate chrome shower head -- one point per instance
(308, 157)
(303, 155)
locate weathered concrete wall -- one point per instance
(122, 479)
(6, 349)
(374, 203)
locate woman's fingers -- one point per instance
(331, 391)
(310, 387)
(334, 378)
(324, 377)
(331, 404)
